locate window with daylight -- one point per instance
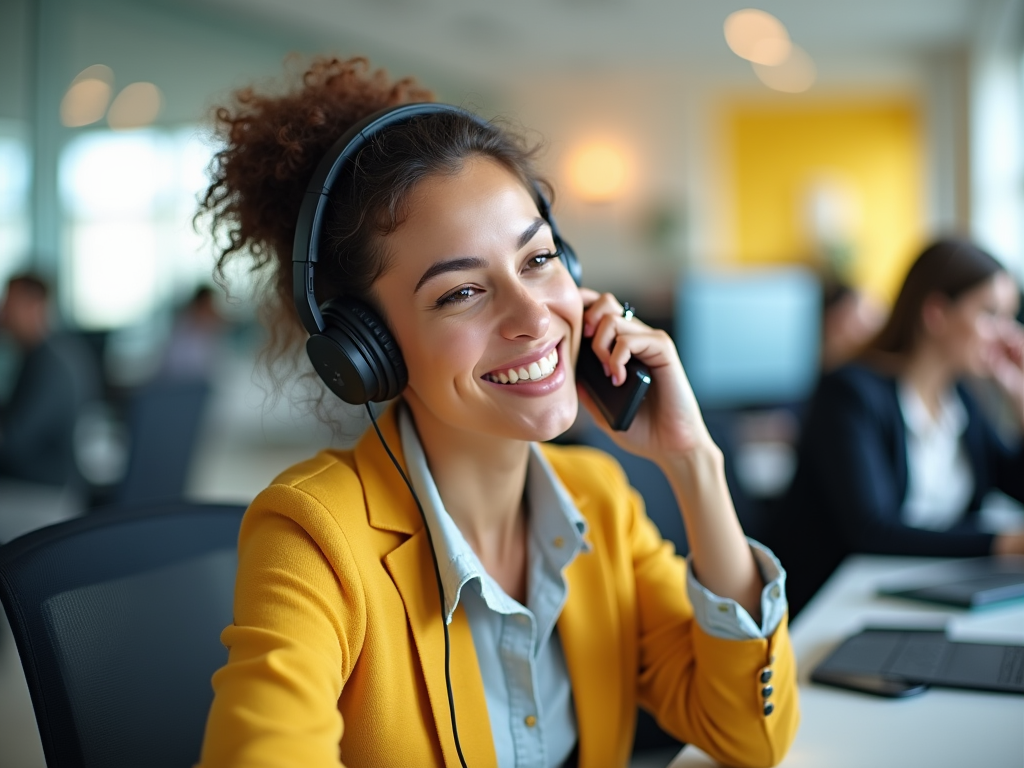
(128, 200)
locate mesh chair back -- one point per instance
(164, 421)
(117, 618)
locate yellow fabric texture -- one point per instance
(336, 653)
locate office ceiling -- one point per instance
(510, 40)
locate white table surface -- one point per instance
(941, 728)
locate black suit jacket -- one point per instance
(851, 481)
(37, 423)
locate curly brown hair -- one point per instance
(273, 144)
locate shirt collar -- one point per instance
(557, 528)
(951, 419)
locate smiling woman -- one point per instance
(425, 263)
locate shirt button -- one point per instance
(766, 674)
(767, 691)
(530, 721)
(723, 608)
(768, 708)
(558, 541)
(775, 592)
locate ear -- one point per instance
(935, 314)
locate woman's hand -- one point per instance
(669, 423)
(669, 430)
(1006, 362)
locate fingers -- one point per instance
(601, 306)
(589, 296)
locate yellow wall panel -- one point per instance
(859, 164)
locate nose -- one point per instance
(524, 314)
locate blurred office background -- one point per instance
(711, 173)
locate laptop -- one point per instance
(904, 662)
(972, 583)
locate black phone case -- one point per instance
(619, 404)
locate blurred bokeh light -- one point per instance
(758, 37)
(88, 96)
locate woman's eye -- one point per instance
(457, 296)
(540, 260)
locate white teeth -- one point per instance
(534, 372)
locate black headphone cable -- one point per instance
(440, 587)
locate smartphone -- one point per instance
(619, 404)
(877, 684)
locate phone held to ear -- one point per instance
(618, 404)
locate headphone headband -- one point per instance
(312, 213)
(309, 225)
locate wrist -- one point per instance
(703, 459)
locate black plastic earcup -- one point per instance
(355, 354)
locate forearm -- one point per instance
(720, 554)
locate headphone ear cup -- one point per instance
(355, 354)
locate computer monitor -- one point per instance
(749, 338)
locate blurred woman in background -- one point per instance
(895, 456)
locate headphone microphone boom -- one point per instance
(349, 344)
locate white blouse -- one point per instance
(940, 481)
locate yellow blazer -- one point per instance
(336, 653)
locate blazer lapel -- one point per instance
(412, 569)
(390, 506)
(589, 629)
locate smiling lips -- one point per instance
(535, 371)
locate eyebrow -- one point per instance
(451, 265)
(474, 262)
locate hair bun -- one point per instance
(271, 146)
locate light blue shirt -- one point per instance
(525, 678)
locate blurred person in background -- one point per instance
(849, 318)
(566, 607)
(195, 343)
(896, 456)
(56, 378)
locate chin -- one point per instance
(546, 426)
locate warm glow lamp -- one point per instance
(598, 171)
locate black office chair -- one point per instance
(117, 618)
(164, 421)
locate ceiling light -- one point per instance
(598, 171)
(795, 75)
(758, 37)
(137, 105)
(87, 98)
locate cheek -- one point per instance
(435, 357)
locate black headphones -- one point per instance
(349, 344)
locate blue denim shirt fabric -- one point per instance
(525, 678)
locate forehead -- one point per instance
(480, 205)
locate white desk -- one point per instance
(940, 728)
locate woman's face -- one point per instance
(476, 298)
(971, 327)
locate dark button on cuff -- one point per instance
(767, 691)
(768, 708)
(766, 674)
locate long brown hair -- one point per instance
(949, 268)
